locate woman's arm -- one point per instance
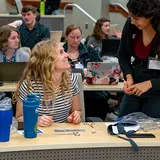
(76, 105)
(94, 55)
(19, 111)
(16, 23)
(123, 56)
(43, 121)
(75, 116)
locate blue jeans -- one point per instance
(148, 105)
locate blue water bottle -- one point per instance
(30, 115)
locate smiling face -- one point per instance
(13, 40)
(105, 28)
(140, 22)
(74, 38)
(62, 63)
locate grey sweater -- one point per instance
(21, 55)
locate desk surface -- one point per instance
(117, 88)
(19, 16)
(51, 140)
(7, 87)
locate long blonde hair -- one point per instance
(41, 65)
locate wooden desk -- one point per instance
(53, 22)
(88, 146)
(7, 87)
(114, 88)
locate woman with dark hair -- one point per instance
(100, 32)
(138, 56)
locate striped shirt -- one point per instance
(60, 107)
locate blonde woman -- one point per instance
(48, 73)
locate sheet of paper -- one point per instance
(132, 128)
(39, 131)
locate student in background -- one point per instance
(48, 73)
(100, 32)
(18, 23)
(140, 43)
(10, 50)
(52, 6)
(79, 55)
(31, 31)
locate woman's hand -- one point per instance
(45, 121)
(140, 88)
(74, 117)
(117, 33)
(127, 85)
(85, 72)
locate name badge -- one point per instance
(153, 63)
(79, 66)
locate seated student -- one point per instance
(10, 50)
(48, 73)
(101, 31)
(31, 31)
(79, 55)
(18, 23)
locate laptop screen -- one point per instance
(110, 47)
(11, 71)
(19, 6)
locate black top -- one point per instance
(138, 69)
(31, 37)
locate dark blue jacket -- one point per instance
(86, 54)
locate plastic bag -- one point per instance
(14, 126)
(146, 122)
(6, 104)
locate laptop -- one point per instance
(110, 47)
(19, 6)
(57, 35)
(103, 72)
(12, 71)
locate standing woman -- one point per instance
(141, 42)
(96, 102)
(10, 50)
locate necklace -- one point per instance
(73, 55)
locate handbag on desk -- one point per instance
(125, 128)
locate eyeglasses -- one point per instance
(74, 38)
